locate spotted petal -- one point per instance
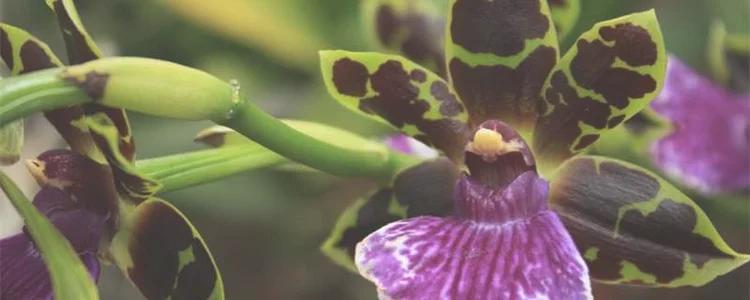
(524, 252)
(612, 72)
(81, 48)
(396, 91)
(425, 189)
(498, 54)
(412, 28)
(164, 256)
(635, 228)
(132, 186)
(24, 53)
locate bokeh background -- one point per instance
(265, 227)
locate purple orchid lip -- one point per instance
(496, 154)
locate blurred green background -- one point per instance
(264, 228)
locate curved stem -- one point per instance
(259, 126)
(23, 95)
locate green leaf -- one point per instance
(81, 48)
(70, 278)
(564, 15)
(396, 91)
(424, 189)
(131, 184)
(613, 71)
(164, 255)
(413, 29)
(11, 142)
(499, 54)
(633, 227)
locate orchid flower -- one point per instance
(94, 196)
(509, 211)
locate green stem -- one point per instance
(180, 171)
(257, 125)
(36, 92)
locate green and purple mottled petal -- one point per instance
(132, 186)
(564, 15)
(24, 53)
(164, 256)
(81, 48)
(24, 273)
(708, 153)
(613, 71)
(499, 53)
(633, 227)
(396, 91)
(412, 28)
(506, 244)
(425, 189)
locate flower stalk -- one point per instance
(170, 90)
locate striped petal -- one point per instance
(708, 153)
(506, 244)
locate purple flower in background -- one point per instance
(502, 243)
(708, 147)
(72, 197)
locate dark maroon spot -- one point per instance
(350, 77)
(499, 92)
(586, 141)
(387, 24)
(396, 101)
(370, 217)
(33, 58)
(449, 104)
(589, 204)
(633, 44)
(6, 50)
(159, 234)
(427, 188)
(424, 43)
(592, 69)
(93, 85)
(499, 27)
(556, 132)
(198, 278)
(418, 75)
(75, 42)
(616, 120)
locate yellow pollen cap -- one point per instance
(488, 142)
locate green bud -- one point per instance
(155, 87)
